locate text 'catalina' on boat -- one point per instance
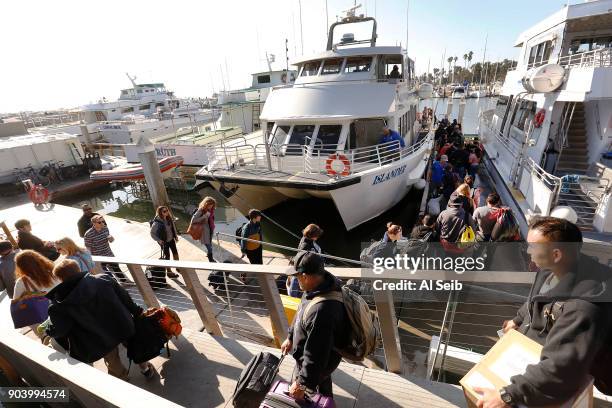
(324, 134)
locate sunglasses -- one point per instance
(99, 222)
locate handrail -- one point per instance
(322, 255)
(601, 57)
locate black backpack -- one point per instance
(239, 232)
(149, 340)
(256, 380)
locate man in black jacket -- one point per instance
(317, 329)
(568, 312)
(84, 223)
(90, 316)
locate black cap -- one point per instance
(5, 245)
(309, 263)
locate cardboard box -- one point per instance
(510, 356)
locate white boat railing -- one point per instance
(591, 59)
(294, 158)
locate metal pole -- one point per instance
(433, 366)
(453, 294)
(301, 30)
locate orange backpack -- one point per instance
(168, 319)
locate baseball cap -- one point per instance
(5, 245)
(444, 158)
(308, 263)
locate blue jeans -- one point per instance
(209, 250)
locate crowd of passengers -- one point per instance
(94, 314)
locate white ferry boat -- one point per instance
(145, 110)
(548, 139)
(322, 134)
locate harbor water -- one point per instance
(293, 215)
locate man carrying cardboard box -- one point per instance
(568, 312)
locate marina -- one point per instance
(345, 220)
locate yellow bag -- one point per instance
(467, 235)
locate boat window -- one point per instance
(540, 53)
(159, 105)
(589, 44)
(270, 126)
(263, 79)
(300, 136)
(501, 110)
(386, 65)
(524, 114)
(127, 110)
(332, 66)
(358, 64)
(311, 68)
(327, 138)
(280, 135)
(367, 132)
(145, 107)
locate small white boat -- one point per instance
(135, 171)
(458, 93)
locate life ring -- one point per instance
(539, 118)
(39, 194)
(346, 169)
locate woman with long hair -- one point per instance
(205, 215)
(71, 250)
(34, 274)
(163, 231)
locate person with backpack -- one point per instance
(89, 316)
(70, 250)
(569, 313)
(318, 330)
(252, 230)
(452, 221)
(205, 216)
(485, 217)
(425, 230)
(163, 231)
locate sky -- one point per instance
(66, 53)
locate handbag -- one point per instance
(195, 229)
(31, 308)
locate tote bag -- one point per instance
(31, 308)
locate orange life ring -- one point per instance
(39, 194)
(346, 170)
(539, 118)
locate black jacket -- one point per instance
(314, 339)
(85, 223)
(580, 304)
(27, 240)
(158, 230)
(90, 316)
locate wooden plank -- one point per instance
(8, 234)
(143, 285)
(200, 301)
(388, 327)
(269, 290)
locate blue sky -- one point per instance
(64, 53)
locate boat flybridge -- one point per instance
(321, 134)
(548, 139)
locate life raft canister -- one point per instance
(39, 194)
(539, 118)
(346, 165)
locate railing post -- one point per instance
(200, 301)
(269, 290)
(8, 234)
(143, 285)
(388, 328)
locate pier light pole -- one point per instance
(152, 173)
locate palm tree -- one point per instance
(469, 57)
(454, 66)
(450, 61)
(465, 60)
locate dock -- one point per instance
(202, 369)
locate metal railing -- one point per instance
(294, 158)
(585, 194)
(243, 301)
(591, 59)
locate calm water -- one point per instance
(294, 215)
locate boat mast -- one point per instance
(301, 31)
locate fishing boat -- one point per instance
(545, 141)
(322, 134)
(134, 171)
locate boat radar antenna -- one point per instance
(351, 17)
(132, 79)
(270, 58)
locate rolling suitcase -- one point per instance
(279, 397)
(255, 380)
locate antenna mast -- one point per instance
(132, 79)
(301, 31)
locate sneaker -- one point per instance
(149, 372)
